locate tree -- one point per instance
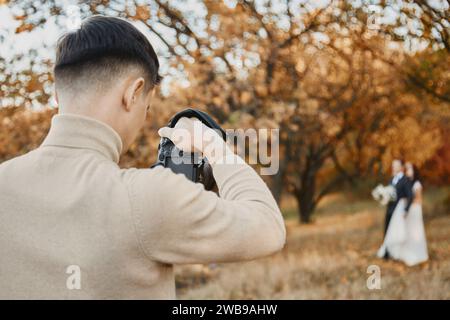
(340, 91)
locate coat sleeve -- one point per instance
(178, 221)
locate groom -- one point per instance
(402, 188)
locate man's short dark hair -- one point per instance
(102, 49)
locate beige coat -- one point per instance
(76, 226)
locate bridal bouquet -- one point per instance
(384, 194)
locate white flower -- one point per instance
(384, 194)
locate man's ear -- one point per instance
(133, 92)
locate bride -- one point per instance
(414, 250)
(405, 237)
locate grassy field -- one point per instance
(328, 259)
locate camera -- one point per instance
(193, 165)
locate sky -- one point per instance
(43, 39)
(47, 36)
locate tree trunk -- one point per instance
(306, 196)
(306, 205)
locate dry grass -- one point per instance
(328, 260)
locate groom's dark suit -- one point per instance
(403, 188)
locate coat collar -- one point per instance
(75, 131)
(397, 177)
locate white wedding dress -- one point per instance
(405, 237)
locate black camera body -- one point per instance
(195, 167)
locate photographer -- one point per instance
(71, 215)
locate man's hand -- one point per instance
(191, 135)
